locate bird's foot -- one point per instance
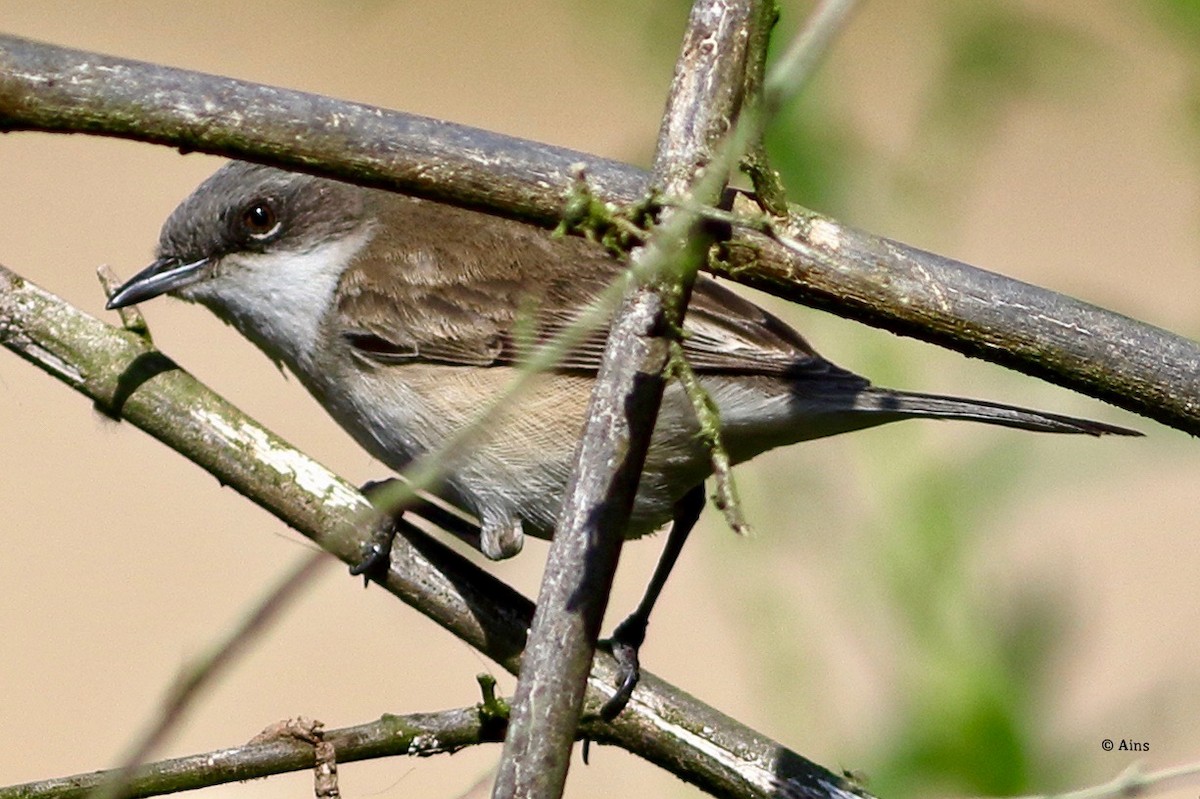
(625, 642)
(376, 550)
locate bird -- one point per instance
(406, 318)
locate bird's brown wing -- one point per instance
(476, 290)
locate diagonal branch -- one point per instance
(869, 278)
(125, 376)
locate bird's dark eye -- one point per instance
(259, 220)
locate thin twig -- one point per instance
(131, 315)
(417, 734)
(805, 52)
(1133, 782)
(203, 670)
(725, 495)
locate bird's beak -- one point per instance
(165, 274)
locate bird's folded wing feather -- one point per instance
(441, 303)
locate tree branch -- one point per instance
(419, 734)
(705, 98)
(126, 377)
(868, 278)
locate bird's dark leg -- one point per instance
(630, 634)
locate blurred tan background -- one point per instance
(914, 598)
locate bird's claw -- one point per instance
(625, 643)
(375, 556)
(376, 552)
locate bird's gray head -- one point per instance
(261, 247)
(243, 212)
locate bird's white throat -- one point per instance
(279, 299)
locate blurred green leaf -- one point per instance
(998, 54)
(994, 56)
(813, 152)
(1177, 17)
(970, 667)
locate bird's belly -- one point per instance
(513, 461)
(509, 460)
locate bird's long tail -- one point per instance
(933, 406)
